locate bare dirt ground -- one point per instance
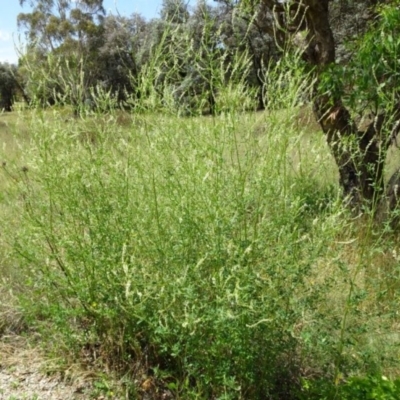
(26, 374)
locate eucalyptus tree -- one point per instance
(242, 29)
(211, 42)
(174, 11)
(58, 60)
(160, 53)
(368, 81)
(115, 64)
(198, 88)
(52, 23)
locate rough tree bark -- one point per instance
(361, 167)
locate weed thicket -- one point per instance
(201, 252)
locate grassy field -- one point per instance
(204, 257)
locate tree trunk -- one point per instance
(358, 155)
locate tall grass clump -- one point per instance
(168, 242)
(194, 252)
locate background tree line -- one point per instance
(74, 48)
(79, 38)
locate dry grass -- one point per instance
(27, 371)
